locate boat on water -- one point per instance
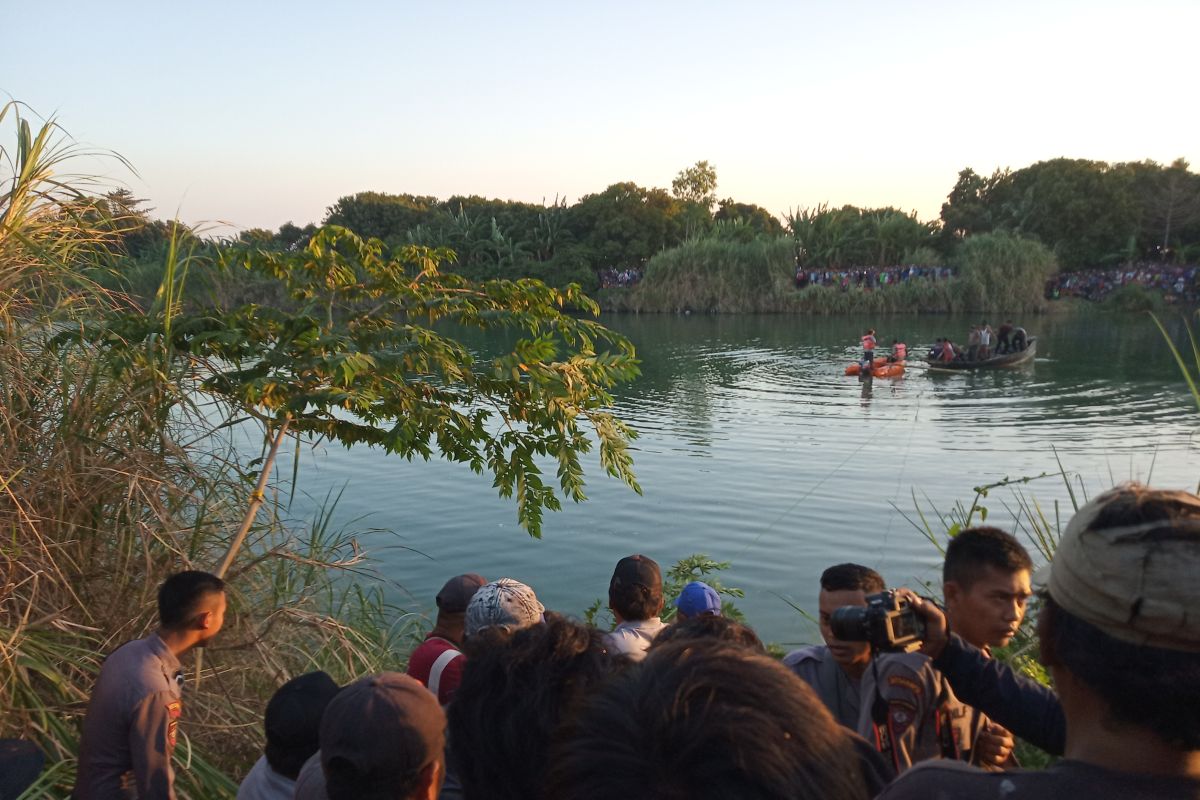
(880, 368)
(1002, 361)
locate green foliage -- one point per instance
(1000, 272)
(360, 358)
(696, 567)
(1133, 297)
(853, 237)
(717, 274)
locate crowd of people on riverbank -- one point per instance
(1177, 284)
(611, 277)
(505, 699)
(868, 277)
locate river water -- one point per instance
(757, 450)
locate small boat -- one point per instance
(893, 370)
(856, 367)
(1002, 361)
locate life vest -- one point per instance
(900, 351)
(868, 342)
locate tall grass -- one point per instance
(717, 274)
(110, 485)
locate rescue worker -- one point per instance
(868, 346)
(132, 719)
(899, 352)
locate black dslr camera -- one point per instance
(888, 622)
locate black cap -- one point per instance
(456, 595)
(293, 720)
(637, 570)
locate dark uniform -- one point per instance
(923, 717)
(130, 728)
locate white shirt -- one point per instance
(264, 783)
(631, 638)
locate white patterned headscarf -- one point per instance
(505, 603)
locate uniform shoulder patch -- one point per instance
(174, 712)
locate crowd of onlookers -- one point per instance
(611, 277)
(505, 699)
(868, 277)
(1178, 284)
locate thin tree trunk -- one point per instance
(256, 500)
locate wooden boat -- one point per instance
(1001, 361)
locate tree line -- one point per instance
(1087, 213)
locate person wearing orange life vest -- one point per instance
(868, 345)
(899, 352)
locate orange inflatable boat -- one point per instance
(855, 368)
(880, 368)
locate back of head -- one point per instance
(382, 738)
(1121, 612)
(516, 695)
(636, 588)
(709, 719)
(851, 578)
(708, 627)
(182, 595)
(974, 550)
(293, 721)
(504, 603)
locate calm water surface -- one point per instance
(755, 449)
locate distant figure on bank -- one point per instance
(697, 599)
(132, 719)
(899, 351)
(383, 738)
(868, 345)
(438, 661)
(710, 719)
(635, 597)
(293, 725)
(985, 583)
(1121, 638)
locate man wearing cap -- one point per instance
(1120, 634)
(506, 604)
(292, 722)
(437, 662)
(635, 596)
(383, 738)
(698, 599)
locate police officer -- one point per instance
(131, 725)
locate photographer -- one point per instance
(1121, 637)
(893, 700)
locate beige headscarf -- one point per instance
(1138, 583)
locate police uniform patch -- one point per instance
(174, 712)
(905, 683)
(900, 716)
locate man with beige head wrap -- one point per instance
(1120, 633)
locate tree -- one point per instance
(697, 184)
(360, 358)
(756, 217)
(624, 225)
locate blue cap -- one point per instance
(698, 598)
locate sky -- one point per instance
(253, 114)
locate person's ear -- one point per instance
(952, 592)
(429, 783)
(205, 620)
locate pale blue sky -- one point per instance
(258, 113)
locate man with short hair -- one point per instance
(697, 599)
(1120, 635)
(438, 661)
(896, 701)
(635, 596)
(383, 738)
(292, 722)
(132, 719)
(985, 585)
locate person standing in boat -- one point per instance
(1003, 345)
(973, 343)
(868, 345)
(1020, 339)
(985, 340)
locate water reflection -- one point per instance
(756, 448)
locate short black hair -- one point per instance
(182, 593)
(852, 577)
(703, 719)
(709, 626)
(517, 695)
(634, 601)
(1150, 687)
(973, 550)
(293, 721)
